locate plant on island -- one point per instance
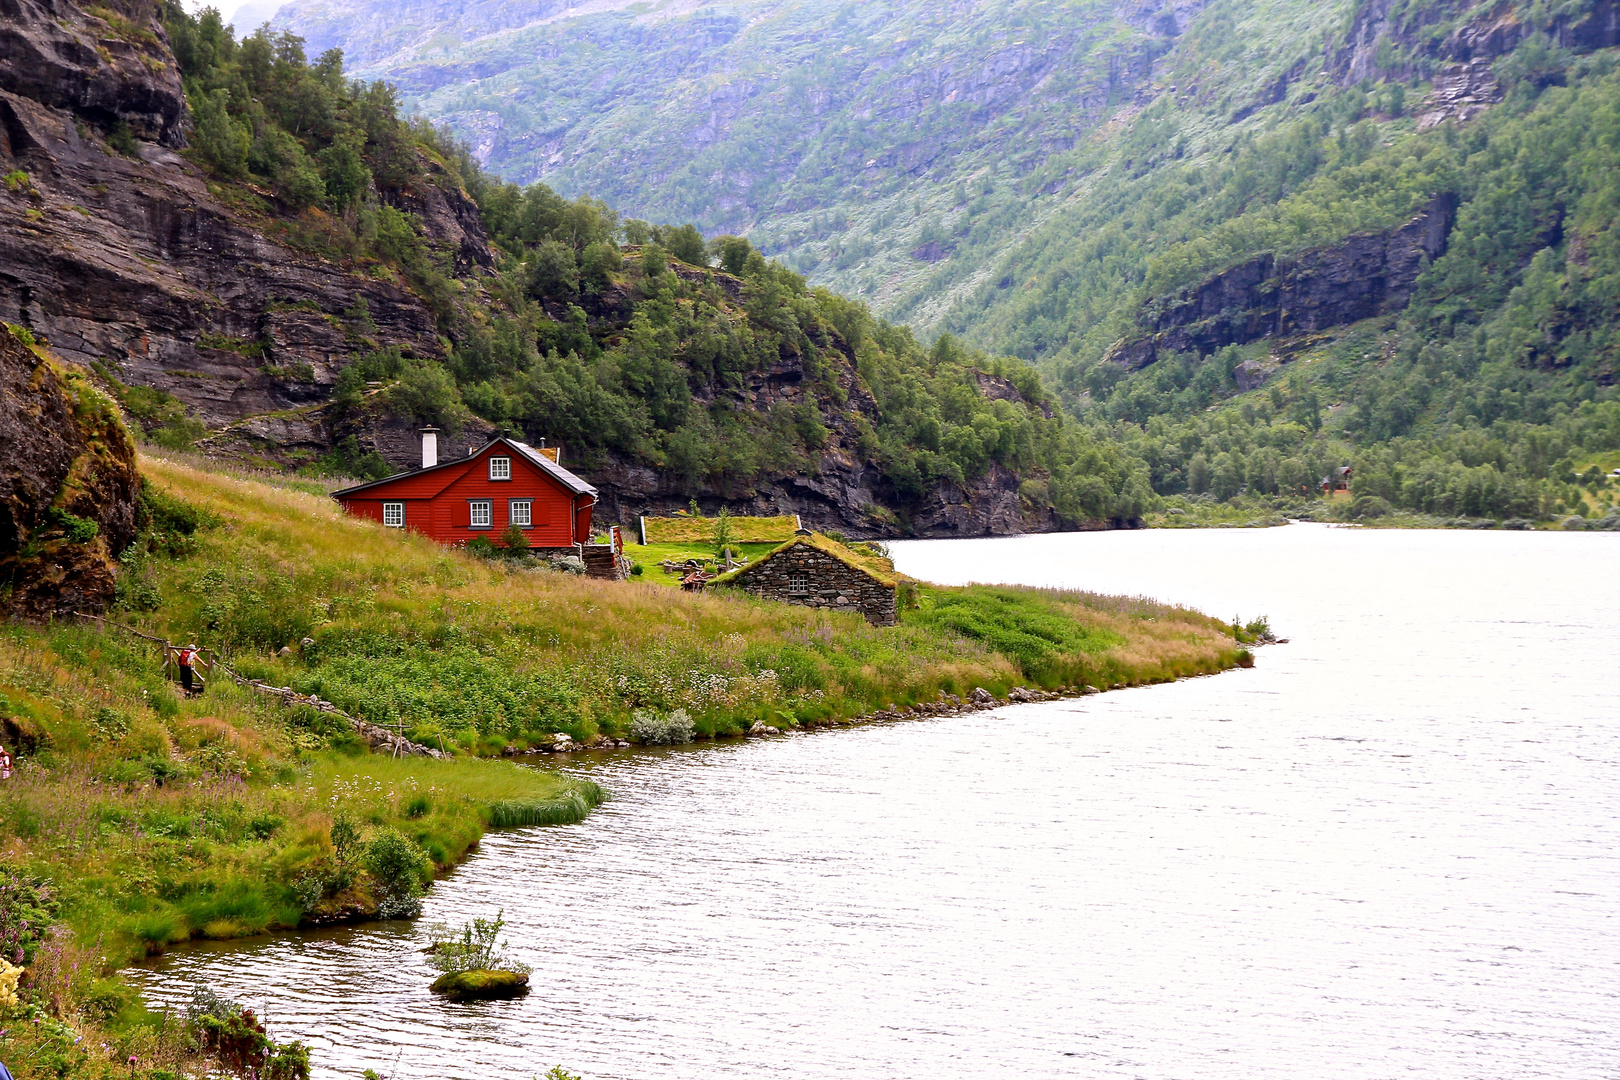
(472, 965)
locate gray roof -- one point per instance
(572, 482)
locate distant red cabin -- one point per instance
(503, 483)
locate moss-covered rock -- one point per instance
(481, 985)
(68, 485)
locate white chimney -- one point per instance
(430, 447)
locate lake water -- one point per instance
(1387, 850)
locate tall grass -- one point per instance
(564, 809)
(1072, 638)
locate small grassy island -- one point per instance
(138, 817)
(474, 968)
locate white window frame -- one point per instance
(500, 468)
(798, 585)
(483, 507)
(520, 512)
(394, 515)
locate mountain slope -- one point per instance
(849, 140)
(311, 276)
(1376, 232)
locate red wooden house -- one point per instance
(503, 483)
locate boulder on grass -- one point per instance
(481, 985)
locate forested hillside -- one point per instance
(1378, 232)
(1404, 262)
(265, 258)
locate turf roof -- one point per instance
(869, 565)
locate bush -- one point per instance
(651, 729)
(597, 264)
(222, 142)
(514, 540)
(654, 261)
(1370, 506)
(426, 393)
(77, 529)
(553, 270)
(27, 908)
(235, 1037)
(399, 868)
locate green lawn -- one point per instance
(648, 556)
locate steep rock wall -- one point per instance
(1405, 42)
(108, 70)
(134, 262)
(1270, 297)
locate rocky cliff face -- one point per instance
(67, 486)
(1389, 40)
(132, 260)
(1270, 297)
(109, 68)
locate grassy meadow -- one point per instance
(151, 819)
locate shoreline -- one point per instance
(264, 806)
(950, 705)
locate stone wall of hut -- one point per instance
(829, 584)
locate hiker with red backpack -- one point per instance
(187, 659)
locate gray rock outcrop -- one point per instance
(1279, 297)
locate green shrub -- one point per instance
(400, 868)
(122, 139)
(597, 265)
(426, 393)
(475, 948)
(28, 907)
(77, 529)
(514, 540)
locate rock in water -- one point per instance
(68, 486)
(480, 985)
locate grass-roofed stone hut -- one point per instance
(816, 571)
